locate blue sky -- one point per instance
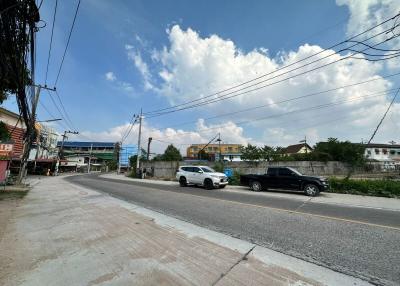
(123, 39)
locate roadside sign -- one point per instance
(228, 172)
(6, 149)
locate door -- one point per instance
(288, 180)
(270, 180)
(197, 177)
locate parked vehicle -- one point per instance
(287, 179)
(202, 176)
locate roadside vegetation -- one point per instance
(378, 188)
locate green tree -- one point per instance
(345, 151)
(267, 153)
(250, 152)
(4, 133)
(171, 154)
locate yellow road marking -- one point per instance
(290, 211)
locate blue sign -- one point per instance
(228, 172)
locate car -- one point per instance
(285, 178)
(201, 176)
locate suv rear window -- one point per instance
(272, 171)
(187, 169)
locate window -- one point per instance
(207, 170)
(272, 171)
(384, 151)
(392, 152)
(369, 152)
(209, 148)
(195, 169)
(215, 148)
(376, 151)
(230, 149)
(285, 172)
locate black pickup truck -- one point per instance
(285, 178)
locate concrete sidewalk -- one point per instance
(63, 234)
(324, 198)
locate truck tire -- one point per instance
(208, 184)
(311, 190)
(256, 186)
(182, 182)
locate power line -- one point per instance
(384, 115)
(321, 106)
(66, 47)
(59, 111)
(235, 94)
(63, 108)
(284, 67)
(51, 41)
(288, 100)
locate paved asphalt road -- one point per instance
(362, 242)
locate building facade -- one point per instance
(387, 154)
(16, 128)
(229, 152)
(297, 149)
(80, 156)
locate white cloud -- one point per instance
(142, 67)
(180, 138)
(110, 76)
(119, 84)
(193, 67)
(369, 13)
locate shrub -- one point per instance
(378, 188)
(219, 167)
(235, 179)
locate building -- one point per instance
(125, 153)
(43, 153)
(229, 152)
(78, 155)
(16, 127)
(297, 149)
(387, 154)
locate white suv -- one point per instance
(201, 175)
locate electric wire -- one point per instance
(51, 41)
(234, 93)
(383, 117)
(66, 46)
(284, 67)
(288, 100)
(317, 107)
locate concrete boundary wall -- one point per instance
(165, 169)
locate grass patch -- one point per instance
(6, 195)
(378, 188)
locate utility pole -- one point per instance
(30, 132)
(119, 149)
(139, 151)
(61, 149)
(90, 156)
(219, 146)
(148, 148)
(305, 143)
